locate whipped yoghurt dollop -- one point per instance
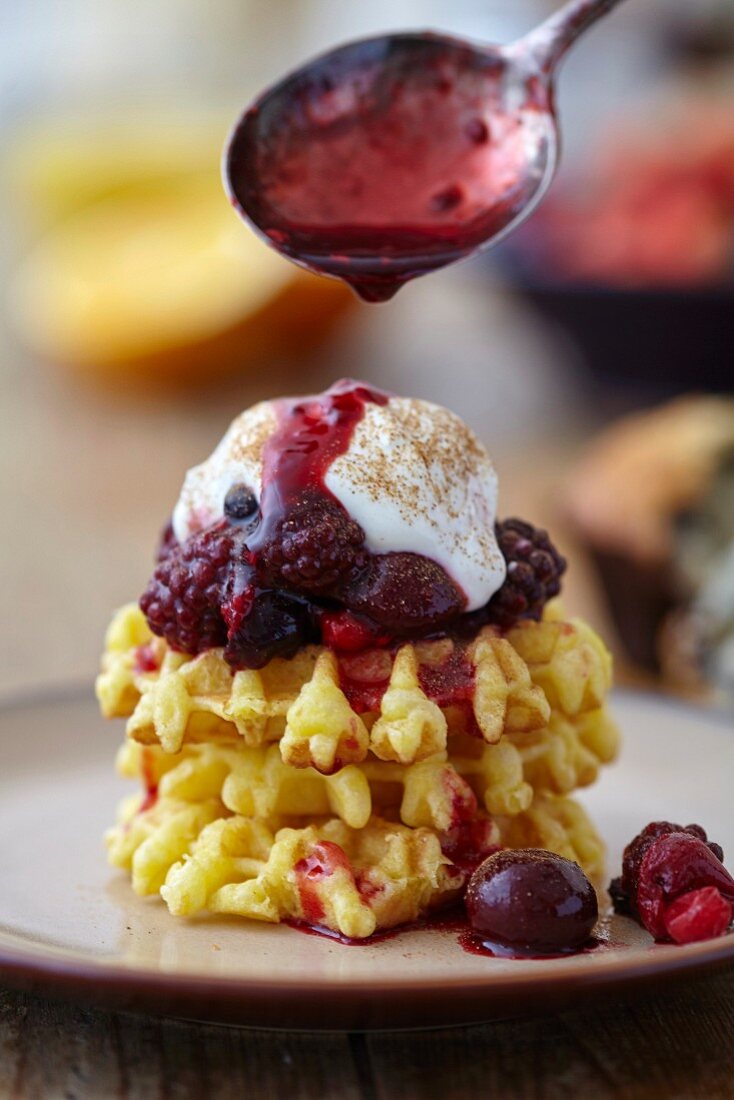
(413, 476)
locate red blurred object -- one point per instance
(657, 210)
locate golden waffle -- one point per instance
(255, 782)
(438, 793)
(353, 881)
(174, 700)
(377, 876)
(275, 794)
(559, 825)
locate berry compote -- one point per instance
(675, 884)
(290, 566)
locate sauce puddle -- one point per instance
(452, 921)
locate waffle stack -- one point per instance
(355, 793)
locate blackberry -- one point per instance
(621, 900)
(204, 593)
(276, 626)
(534, 571)
(315, 549)
(182, 602)
(166, 543)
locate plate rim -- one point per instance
(351, 1002)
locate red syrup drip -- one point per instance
(365, 676)
(310, 434)
(145, 659)
(364, 679)
(451, 684)
(337, 937)
(387, 159)
(150, 783)
(149, 801)
(321, 862)
(444, 920)
(469, 843)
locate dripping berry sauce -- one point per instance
(309, 436)
(388, 159)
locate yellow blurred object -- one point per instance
(60, 166)
(157, 280)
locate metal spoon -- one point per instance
(391, 157)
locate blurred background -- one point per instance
(139, 315)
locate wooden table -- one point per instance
(675, 1044)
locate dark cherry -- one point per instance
(240, 503)
(404, 592)
(532, 902)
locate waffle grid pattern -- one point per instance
(269, 795)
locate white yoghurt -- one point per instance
(414, 477)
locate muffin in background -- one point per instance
(651, 500)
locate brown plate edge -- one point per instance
(316, 1006)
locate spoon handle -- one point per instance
(549, 42)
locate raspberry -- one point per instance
(315, 549)
(324, 859)
(698, 915)
(347, 633)
(534, 571)
(620, 897)
(623, 890)
(673, 865)
(183, 598)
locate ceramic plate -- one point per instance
(69, 924)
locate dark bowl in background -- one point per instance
(660, 341)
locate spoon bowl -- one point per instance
(394, 156)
